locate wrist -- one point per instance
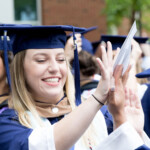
(101, 97)
(101, 103)
(118, 119)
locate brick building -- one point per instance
(81, 13)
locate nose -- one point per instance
(53, 66)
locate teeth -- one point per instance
(52, 80)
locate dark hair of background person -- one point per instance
(88, 64)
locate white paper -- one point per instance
(124, 54)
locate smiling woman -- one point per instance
(42, 102)
(49, 76)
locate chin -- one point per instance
(52, 95)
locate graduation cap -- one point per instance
(117, 40)
(141, 40)
(144, 74)
(6, 45)
(9, 47)
(95, 45)
(86, 44)
(42, 37)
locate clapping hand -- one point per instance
(134, 111)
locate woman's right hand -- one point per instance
(106, 69)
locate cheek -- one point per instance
(64, 71)
(32, 73)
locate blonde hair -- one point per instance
(21, 99)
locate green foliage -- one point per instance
(116, 10)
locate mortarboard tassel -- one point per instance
(76, 73)
(6, 58)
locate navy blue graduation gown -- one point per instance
(108, 118)
(143, 147)
(13, 136)
(146, 108)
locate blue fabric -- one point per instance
(37, 37)
(87, 45)
(118, 40)
(144, 74)
(146, 108)
(13, 136)
(2, 44)
(108, 118)
(143, 147)
(2, 109)
(72, 148)
(95, 45)
(6, 59)
(76, 73)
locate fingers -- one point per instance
(137, 102)
(79, 46)
(78, 38)
(133, 100)
(78, 42)
(112, 84)
(103, 44)
(106, 61)
(127, 100)
(125, 76)
(116, 54)
(104, 56)
(102, 68)
(118, 72)
(109, 53)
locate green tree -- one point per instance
(138, 10)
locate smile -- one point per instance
(52, 80)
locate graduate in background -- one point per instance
(145, 99)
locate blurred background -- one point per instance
(111, 16)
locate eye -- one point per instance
(40, 60)
(61, 59)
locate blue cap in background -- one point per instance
(117, 40)
(144, 74)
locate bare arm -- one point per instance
(73, 126)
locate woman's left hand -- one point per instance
(134, 111)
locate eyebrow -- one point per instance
(61, 53)
(45, 54)
(40, 54)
